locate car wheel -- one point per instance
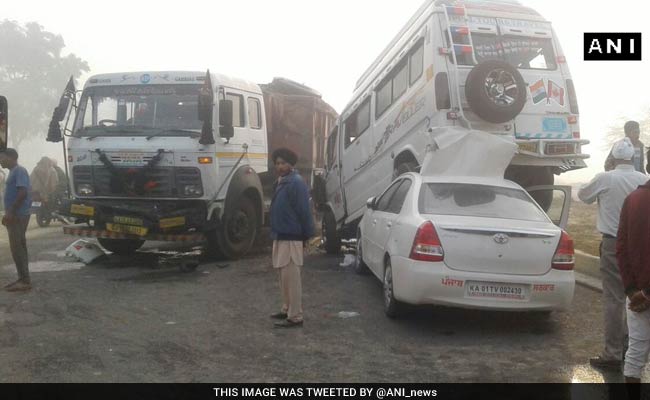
(331, 240)
(360, 266)
(392, 307)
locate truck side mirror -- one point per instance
(226, 130)
(206, 103)
(54, 132)
(371, 203)
(4, 122)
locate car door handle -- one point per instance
(374, 222)
(389, 224)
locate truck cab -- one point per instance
(171, 155)
(490, 66)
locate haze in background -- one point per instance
(326, 45)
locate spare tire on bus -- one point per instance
(495, 91)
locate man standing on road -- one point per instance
(610, 189)
(632, 131)
(17, 202)
(292, 225)
(633, 254)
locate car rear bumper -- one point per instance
(417, 282)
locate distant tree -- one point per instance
(33, 74)
(615, 132)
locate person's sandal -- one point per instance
(602, 363)
(279, 315)
(287, 323)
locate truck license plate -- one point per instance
(128, 229)
(128, 221)
(36, 204)
(491, 290)
(82, 210)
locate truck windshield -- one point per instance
(522, 52)
(144, 110)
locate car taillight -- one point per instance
(564, 258)
(426, 245)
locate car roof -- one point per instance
(472, 180)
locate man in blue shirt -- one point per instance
(17, 202)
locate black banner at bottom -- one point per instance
(322, 391)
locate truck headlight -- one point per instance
(192, 190)
(85, 189)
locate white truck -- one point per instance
(491, 66)
(145, 163)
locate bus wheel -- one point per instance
(331, 240)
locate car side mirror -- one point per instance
(226, 130)
(4, 122)
(371, 203)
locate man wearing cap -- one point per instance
(292, 225)
(633, 132)
(610, 189)
(17, 202)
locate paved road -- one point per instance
(143, 320)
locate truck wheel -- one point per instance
(121, 247)
(495, 91)
(238, 230)
(403, 168)
(331, 240)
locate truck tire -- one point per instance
(331, 240)
(121, 247)
(237, 231)
(495, 91)
(43, 218)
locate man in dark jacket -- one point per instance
(292, 225)
(633, 254)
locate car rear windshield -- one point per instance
(478, 201)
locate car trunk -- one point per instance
(494, 245)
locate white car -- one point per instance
(467, 242)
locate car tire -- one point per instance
(493, 102)
(360, 267)
(121, 247)
(392, 307)
(331, 240)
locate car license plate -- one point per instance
(82, 210)
(128, 221)
(128, 229)
(528, 147)
(36, 203)
(492, 290)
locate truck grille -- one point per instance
(160, 182)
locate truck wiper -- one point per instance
(117, 130)
(165, 131)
